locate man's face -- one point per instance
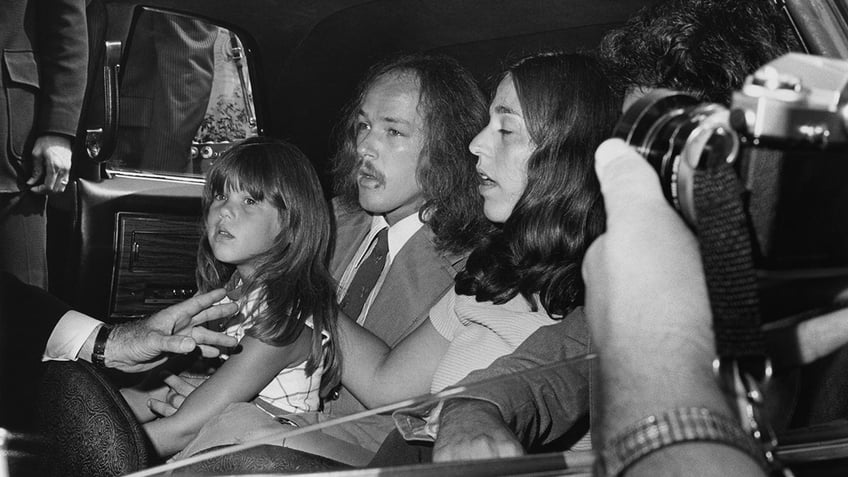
(389, 140)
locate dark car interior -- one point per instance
(122, 241)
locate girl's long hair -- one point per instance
(292, 280)
(569, 108)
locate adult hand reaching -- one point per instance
(473, 429)
(143, 344)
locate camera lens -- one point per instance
(676, 134)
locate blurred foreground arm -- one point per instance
(647, 307)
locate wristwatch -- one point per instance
(672, 427)
(98, 354)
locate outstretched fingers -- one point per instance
(210, 341)
(174, 344)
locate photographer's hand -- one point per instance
(647, 307)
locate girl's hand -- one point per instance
(139, 398)
(175, 391)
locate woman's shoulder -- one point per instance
(468, 308)
(575, 325)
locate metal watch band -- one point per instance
(676, 426)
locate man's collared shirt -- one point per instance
(398, 235)
(69, 336)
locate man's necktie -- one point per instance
(366, 277)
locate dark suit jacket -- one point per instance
(27, 317)
(44, 48)
(418, 277)
(160, 109)
(548, 406)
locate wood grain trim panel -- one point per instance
(155, 260)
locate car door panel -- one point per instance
(91, 251)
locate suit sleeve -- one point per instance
(62, 52)
(543, 406)
(27, 317)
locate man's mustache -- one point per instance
(367, 169)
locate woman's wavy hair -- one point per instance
(569, 108)
(454, 111)
(704, 47)
(293, 279)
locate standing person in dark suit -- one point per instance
(165, 90)
(44, 48)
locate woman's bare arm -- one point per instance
(378, 375)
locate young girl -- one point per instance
(266, 233)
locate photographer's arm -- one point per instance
(648, 310)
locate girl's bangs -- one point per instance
(249, 174)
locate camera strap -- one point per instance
(742, 366)
(726, 252)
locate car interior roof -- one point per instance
(307, 55)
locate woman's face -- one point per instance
(503, 148)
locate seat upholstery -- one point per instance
(263, 459)
(91, 429)
(92, 432)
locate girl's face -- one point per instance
(240, 228)
(503, 148)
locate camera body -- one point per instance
(785, 133)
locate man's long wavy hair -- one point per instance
(454, 111)
(292, 279)
(569, 108)
(704, 47)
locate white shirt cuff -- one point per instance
(69, 336)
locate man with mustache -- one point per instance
(402, 166)
(44, 53)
